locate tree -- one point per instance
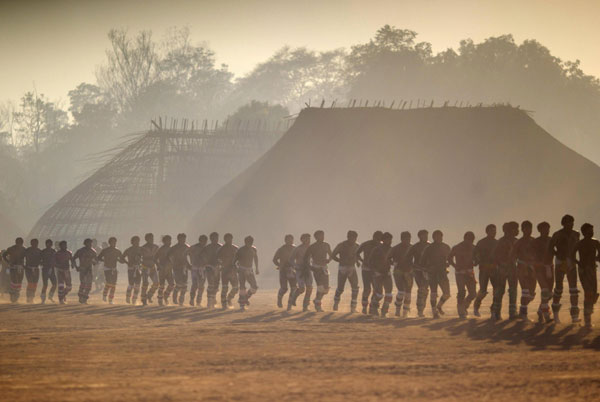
(256, 110)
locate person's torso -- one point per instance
(588, 252)
(485, 250)
(226, 254)
(16, 255)
(437, 256)
(210, 253)
(380, 261)
(565, 243)
(367, 249)
(541, 247)
(48, 258)
(149, 254)
(33, 257)
(63, 259)
(318, 253)
(111, 256)
(400, 256)
(347, 254)
(134, 256)
(298, 254)
(416, 253)
(86, 257)
(162, 254)
(245, 256)
(525, 251)
(463, 255)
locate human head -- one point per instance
(587, 230)
(305, 238)
(19, 241)
(87, 243)
(49, 243)
(214, 237)
(469, 237)
(377, 235)
(526, 228)
(249, 240)
(112, 241)
(423, 235)
(229, 238)
(437, 236)
(567, 222)
(513, 228)
(149, 238)
(135, 240)
(62, 245)
(405, 237)
(181, 238)
(34, 243)
(319, 235)
(543, 228)
(203, 239)
(506, 228)
(352, 235)
(490, 230)
(166, 239)
(289, 239)
(386, 238)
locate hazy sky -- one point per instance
(58, 44)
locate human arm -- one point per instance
(256, 261)
(451, 258)
(335, 252)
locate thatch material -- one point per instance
(452, 168)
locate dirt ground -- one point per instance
(100, 352)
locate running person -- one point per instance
(86, 256)
(33, 260)
(524, 254)
(178, 257)
(109, 257)
(14, 256)
(229, 276)
(462, 259)
(149, 271)
(244, 257)
(562, 248)
(403, 274)
(413, 258)
(165, 271)
(589, 254)
(213, 274)
(317, 257)
(132, 256)
(435, 262)
(98, 277)
(379, 261)
(484, 259)
(345, 254)
(63, 260)
(544, 270)
(363, 254)
(281, 259)
(198, 269)
(48, 273)
(304, 279)
(506, 272)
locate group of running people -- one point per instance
(526, 261)
(510, 260)
(165, 266)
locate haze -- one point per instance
(54, 45)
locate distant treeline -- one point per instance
(44, 145)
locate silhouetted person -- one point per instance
(317, 257)
(109, 257)
(380, 263)
(588, 250)
(544, 270)
(165, 271)
(462, 259)
(363, 254)
(435, 262)
(149, 271)
(178, 257)
(213, 272)
(523, 254)
(33, 260)
(132, 256)
(229, 275)
(97, 276)
(484, 259)
(15, 258)
(282, 261)
(48, 273)
(86, 256)
(345, 254)
(63, 260)
(197, 263)
(304, 279)
(420, 275)
(506, 271)
(243, 260)
(562, 247)
(403, 274)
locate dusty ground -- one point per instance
(126, 353)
